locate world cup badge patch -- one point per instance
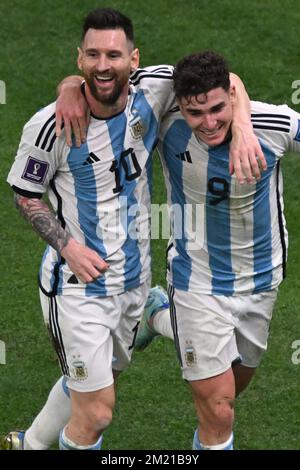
(35, 170)
(190, 354)
(78, 371)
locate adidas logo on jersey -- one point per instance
(73, 280)
(184, 156)
(91, 159)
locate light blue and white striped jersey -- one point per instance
(227, 238)
(97, 190)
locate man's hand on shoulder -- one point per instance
(247, 160)
(72, 110)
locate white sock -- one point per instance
(197, 445)
(162, 323)
(53, 417)
(65, 443)
(228, 445)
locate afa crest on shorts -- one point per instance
(190, 354)
(78, 371)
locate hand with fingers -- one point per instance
(84, 262)
(247, 160)
(72, 111)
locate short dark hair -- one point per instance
(108, 18)
(199, 73)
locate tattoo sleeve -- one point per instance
(43, 220)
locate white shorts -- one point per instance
(212, 332)
(93, 335)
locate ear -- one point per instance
(180, 105)
(232, 93)
(134, 60)
(79, 58)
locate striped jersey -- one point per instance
(226, 238)
(98, 190)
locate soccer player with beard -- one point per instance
(95, 273)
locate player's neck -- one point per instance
(106, 111)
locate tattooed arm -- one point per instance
(43, 220)
(85, 263)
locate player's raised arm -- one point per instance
(72, 110)
(246, 156)
(85, 263)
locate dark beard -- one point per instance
(108, 99)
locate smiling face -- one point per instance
(209, 115)
(106, 59)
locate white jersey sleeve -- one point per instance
(37, 158)
(156, 80)
(276, 125)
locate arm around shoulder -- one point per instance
(246, 156)
(71, 110)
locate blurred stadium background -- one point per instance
(260, 38)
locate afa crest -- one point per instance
(79, 371)
(136, 126)
(190, 355)
(137, 130)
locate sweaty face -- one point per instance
(106, 59)
(209, 115)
